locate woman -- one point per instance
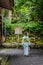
(26, 43)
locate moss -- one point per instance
(18, 46)
(0, 60)
(7, 63)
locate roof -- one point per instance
(7, 4)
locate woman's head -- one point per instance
(25, 33)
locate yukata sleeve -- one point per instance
(22, 41)
(29, 42)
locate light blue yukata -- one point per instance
(26, 45)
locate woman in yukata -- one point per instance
(26, 43)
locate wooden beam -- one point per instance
(7, 4)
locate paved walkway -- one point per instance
(35, 58)
(21, 60)
(16, 56)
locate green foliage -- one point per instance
(29, 15)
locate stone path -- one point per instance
(21, 60)
(35, 58)
(10, 52)
(16, 57)
(19, 51)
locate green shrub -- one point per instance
(32, 40)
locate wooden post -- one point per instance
(18, 38)
(1, 27)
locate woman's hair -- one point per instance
(25, 33)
